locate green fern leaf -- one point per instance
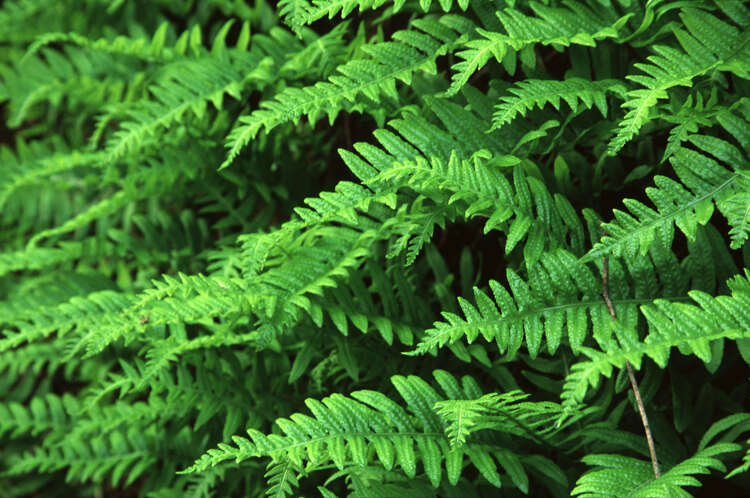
(709, 44)
(343, 430)
(410, 52)
(188, 88)
(707, 181)
(736, 208)
(560, 294)
(575, 24)
(622, 475)
(688, 327)
(530, 93)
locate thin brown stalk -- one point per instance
(631, 375)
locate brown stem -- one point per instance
(631, 375)
(605, 288)
(644, 419)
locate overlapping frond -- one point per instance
(622, 475)
(478, 187)
(155, 175)
(410, 51)
(689, 327)
(702, 183)
(32, 164)
(45, 77)
(41, 415)
(187, 88)
(708, 44)
(119, 456)
(391, 314)
(78, 313)
(344, 429)
(157, 48)
(152, 307)
(560, 294)
(573, 24)
(300, 12)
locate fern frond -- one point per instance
(301, 12)
(307, 13)
(310, 271)
(188, 88)
(709, 44)
(736, 208)
(319, 56)
(633, 477)
(42, 414)
(47, 291)
(99, 308)
(530, 93)
(29, 361)
(120, 456)
(561, 294)
(478, 187)
(32, 164)
(160, 175)
(153, 49)
(151, 307)
(282, 477)
(343, 430)
(106, 206)
(507, 412)
(687, 203)
(193, 298)
(22, 20)
(689, 327)
(638, 478)
(43, 257)
(741, 468)
(462, 182)
(45, 77)
(410, 52)
(574, 24)
(293, 12)
(688, 119)
(157, 48)
(389, 313)
(277, 296)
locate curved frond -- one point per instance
(633, 477)
(376, 76)
(574, 24)
(561, 294)
(119, 456)
(708, 44)
(687, 203)
(344, 430)
(532, 93)
(188, 87)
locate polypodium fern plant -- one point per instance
(467, 281)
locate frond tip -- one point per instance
(373, 76)
(532, 93)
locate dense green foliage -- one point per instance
(355, 247)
